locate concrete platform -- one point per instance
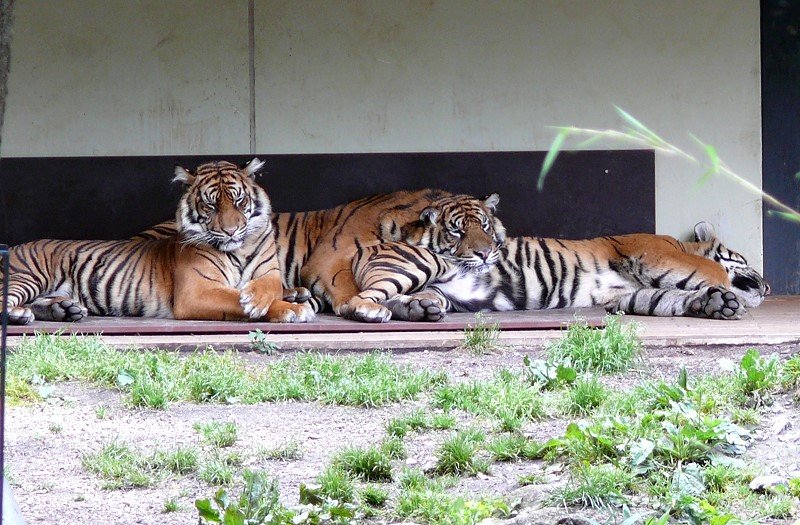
(777, 321)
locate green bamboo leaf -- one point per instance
(638, 126)
(797, 176)
(550, 158)
(591, 140)
(793, 217)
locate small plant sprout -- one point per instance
(171, 505)
(481, 337)
(101, 411)
(260, 343)
(288, 451)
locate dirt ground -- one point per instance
(46, 441)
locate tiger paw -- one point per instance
(284, 312)
(415, 308)
(296, 295)
(58, 308)
(716, 303)
(365, 311)
(20, 315)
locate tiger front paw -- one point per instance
(255, 303)
(365, 311)
(20, 315)
(716, 303)
(415, 308)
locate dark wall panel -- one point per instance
(588, 193)
(780, 115)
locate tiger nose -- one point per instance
(230, 230)
(483, 254)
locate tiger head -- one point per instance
(222, 204)
(462, 229)
(746, 282)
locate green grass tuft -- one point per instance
(336, 484)
(481, 337)
(217, 434)
(367, 464)
(607, 350)
(586, 395)
(458, 454)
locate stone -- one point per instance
(767, 483)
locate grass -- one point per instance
(587, 349)
(458, 454)
(171, 505)
(216, 434)
(480, 337)
(509, 447)
(289, 451)
(182, 460)
(374, 496)
(598, 486)
(586, 395)
(367, 464)
(337, 484)
(155, 379)
(507, 397)
(121, 466)
(419, 421)
(531, 479)
(216, 472)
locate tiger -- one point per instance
(643, 274)
(220, 263)
(316, 248)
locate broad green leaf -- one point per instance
(641, 451)
(207, 511)
(550, 158)
(124, 378)
(233, 516)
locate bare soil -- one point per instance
(46, 441)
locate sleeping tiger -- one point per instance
(316, 248)
(221, 263)
(638, 274)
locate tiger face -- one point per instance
(222, 204)
(748, 284)
(462, 229)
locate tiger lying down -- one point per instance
(641, 274)
(222, 264)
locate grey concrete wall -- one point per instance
(136, 77)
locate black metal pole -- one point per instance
(3, 330)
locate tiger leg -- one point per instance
(296, 295)
(59, 308)
(333, 279)
(389, 272)
(264, 297)
(673, 269)
(711, 302)
(29, 277)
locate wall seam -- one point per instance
(251, 44)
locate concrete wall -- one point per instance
(150, 77)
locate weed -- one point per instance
(397, 427)
(605, 351)
(217, 434)
(480, 337)
(513, 446)
(216, 472)
(286, 452)
(586, 395)
(394, 448)
(123, 467)
(55, 428)
(337, 484)
(182, 460)
(549, 375)
(597, 486)
(374, 496)
(745, 416)
(101, 411)
(367, 464)
(531, 479)
(776, 506)
(257, 505)
(757, 375)
(260, 343)
(458, 454)
(790, 377)
(443, 421)
(171, 505)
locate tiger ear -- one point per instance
(183, 176)
(253, 167)
(429, 215)
(704, 231)
(491, 201)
